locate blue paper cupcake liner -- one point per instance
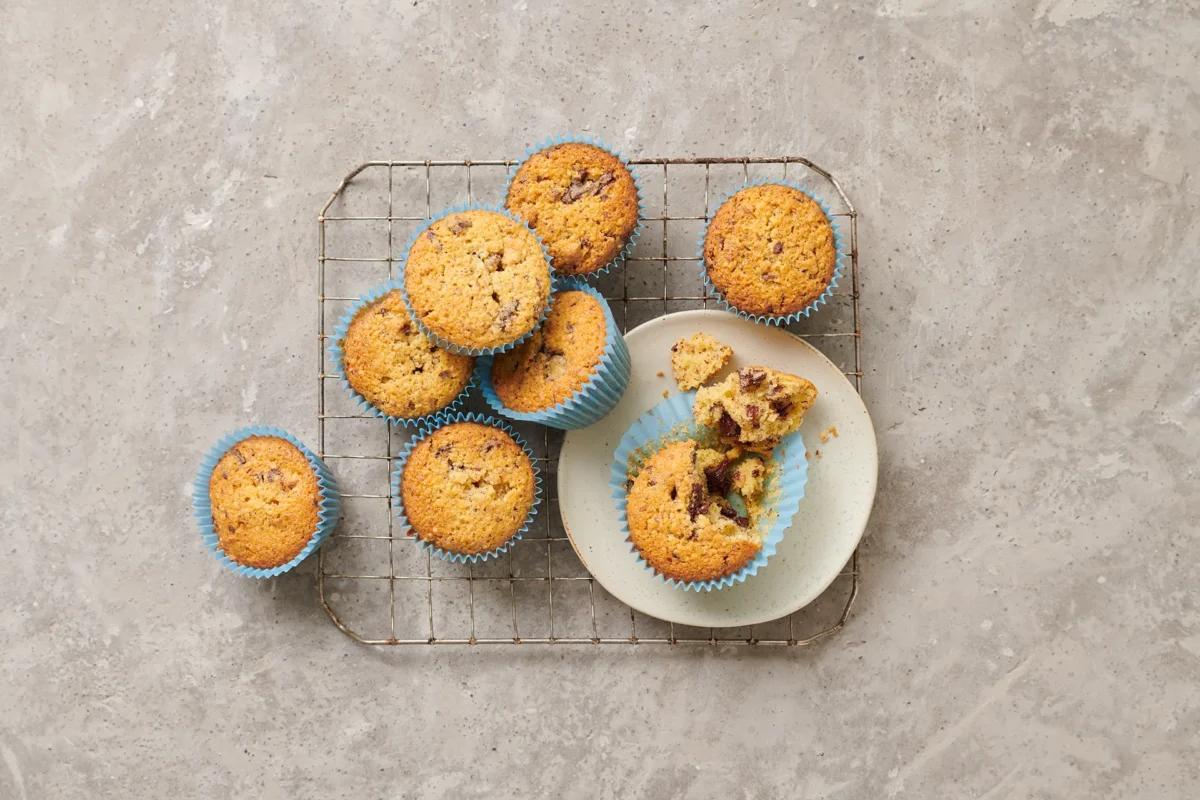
(551, 141)
(602, 391)
(402, 263)
(672, 420)
(328, 509)
(339, 365)
(808, 310)
(440, 421)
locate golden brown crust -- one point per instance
(770, 250)
(477, 279)
(557, 360)
(264, 498)
(582, 202)
(467, 488)
(397, 368)
(755, 407)
(698, 358)
(678, 527)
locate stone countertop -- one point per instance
(1028, 625)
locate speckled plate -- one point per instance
(823, 535)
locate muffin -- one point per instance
(467, 489)
(696, 359)
(264, 498)
(770, 250)
(477, 280)
(570, 372)
(557, 360)
(581, 200)
(682, 530)
(393, 366)
(755, 407)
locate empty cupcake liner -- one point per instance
(551, 141)
(808, 310)
(328, 509)
(440, 421)
(602, 391)
(402, 263)
(671, 420)
(339, 365)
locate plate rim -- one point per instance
(861, 527)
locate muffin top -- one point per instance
(397, 368)
(769, 249)
(697, 358)
(558, 359)
(264, 501)
(681, 528)
(467, 488)
(477, 279)
(755, 407)
(581, 200)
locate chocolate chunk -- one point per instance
(274, 474)
(492, 262)
(753, 412)
(585, 244)
(770, 277)
(382, 311)
(431, 236)
(719, 479)
(443, 449)
(778, 248)
(490, 445)
(729, 512)
(781, 407)
(698, 501)
(581, 187)
(238, 455)
(444, 374)
(459, 225)
(728, 427)
(750, 377)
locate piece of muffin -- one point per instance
(554, 363)
(467, 488)
(748, 477)
(680, 528)
(477, 279)
(395, 367)
(755, 407)
(581, 200)
(696, 359)
(264, 498)
(732, 470)
(770, 250)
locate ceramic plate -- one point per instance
(837, 500)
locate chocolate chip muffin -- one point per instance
(696, 359)
(755, 407)
(467, 488)
(581, 200)
(264, 497)
(680, 527)
(558, 359)
(770, 250)
(477, 280)
(397, 368)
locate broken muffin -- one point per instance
(682, 524)
(755, 407)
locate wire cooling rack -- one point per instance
(375, 583)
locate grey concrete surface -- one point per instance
(1028, 625)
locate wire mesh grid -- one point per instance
(375, 583)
